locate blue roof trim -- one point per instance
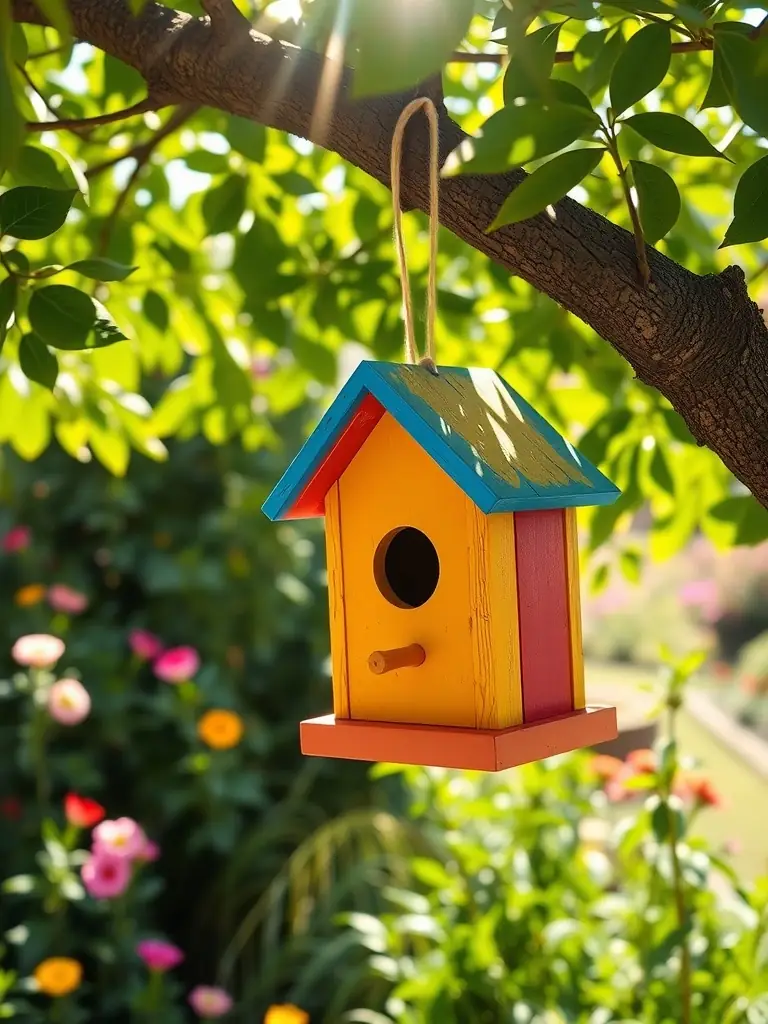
(448, 449)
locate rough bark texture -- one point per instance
(699, 340)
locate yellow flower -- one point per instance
(287, 1014)
(221, 730)
(33, 593)
(58, 976)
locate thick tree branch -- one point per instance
(699, 340)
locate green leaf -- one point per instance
(99, 268)
(205, 162)
(747, 62)
(105, 330)
(62, 316)
(8, 293)
(37, 166)
(396, 52)
(16, 259)
(223, 205)
(750, 206)
(657, 198)
(660, 471)
(672, 133)
(595, 55)
(111, 448)
(567, 92)
(31, 212)
(37, 362)
(155, 309)
(547, 185)
(515, 135)
(12, 133)
(530, 65)
(247, 138)
(56, 13)
(721, 82)
(641, 66)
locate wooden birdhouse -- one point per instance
(453, 573)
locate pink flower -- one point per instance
(69, 702)
(145, 645)
(64, 599)
(122, 837)
(149, 851)
(177, 665)
(37, 650)
(208, 1001)
(17, 539)
(106, 876)
(159, 955)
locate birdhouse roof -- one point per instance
(488, 439)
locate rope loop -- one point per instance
(411, 352)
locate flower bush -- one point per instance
(153, 669)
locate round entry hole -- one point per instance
(406, 567)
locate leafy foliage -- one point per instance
(232, 248)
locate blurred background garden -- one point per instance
(166, 854)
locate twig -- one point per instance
(566, 56)
(80, 124)
(142, 155)
(637, 229)
(47, 53)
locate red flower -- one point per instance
(82, 812)
(10, 808)
(699, 787)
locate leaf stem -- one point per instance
(678, 887)
(643, 268)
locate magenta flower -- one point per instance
(177, 665)
(37, 650)
(145, 645)
(209, 1002)
(64, 599)
(159, 955)
(17, 539)
(69, 702)
(122, 837)
(106, 876)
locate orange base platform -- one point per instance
(489, 750)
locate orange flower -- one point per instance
(27, 596)
(606, 766)
(220, 729)
(58, 976)
(643, 761)
(286, 1014)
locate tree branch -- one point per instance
(85, 123)
(699, 340)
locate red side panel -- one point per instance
(311, 501)
(542, 594)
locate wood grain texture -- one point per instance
(574, 607)
(545, 646)
(393, 483)
(489, 750)
(336, 603)
(493, 619)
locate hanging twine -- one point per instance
(411, 352)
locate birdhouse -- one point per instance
(453, 573)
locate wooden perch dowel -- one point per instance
(399, 657)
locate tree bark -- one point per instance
(699, 340)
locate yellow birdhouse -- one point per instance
(453, 575)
